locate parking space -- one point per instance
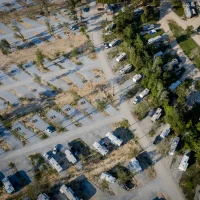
(2, 105)
(24, 92)
(4, 8)
(88, 63)
(90, 76)
(59, 83)
(33, 39)
(33, 23)
(5, 79)
(41, 125)
(63, 19)
(7, 136)
(27, 134)
(76, 80)
(59, 32)
(57, 117)
(5, 29)
(9, 97)
(32, 69)
(44, 35)
(14, 22)
(50, 65)
(111, 110)
(16, 5)
(76, 115)
(18, 73)
(66, 63)
(88, 108)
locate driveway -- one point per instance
(168, 184)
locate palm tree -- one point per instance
(5, 46)
(18, 33)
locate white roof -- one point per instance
(144, 93)
(173, 146)
(43, 196)
(70, 157)
(108, 177)
(134, 165)
(54, 163)
(137, 77)
(184, 163)
(155, 39)
(68, 192)
(188, 11)
(157, 114)
(8, 186)
(116, 141)
(165, 131)
(121, 56)
(101, 149)
(173, 86)
(113, 42)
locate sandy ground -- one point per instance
(48, 48)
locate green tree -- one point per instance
(189, 31)
(176, 3)
(50, 27)
(39, 57)
(5, 46)
(101, 105)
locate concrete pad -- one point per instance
(76, 80)
(29, 135)
(88, 108)
(50, 65)
(111, 110)
(4, 8)
(5, 28)
(41, 124)
(90, 76)
(16, 5)
(2, 105)
(5, 79)
(24, 92)
(18, 73)
(11, 98)
(57, 117)
(87, 62)
(42, 19)
(33, 23)
(7, 136)
(44, 35)
(35, 40)
(63, 19)
(32, 69)
(66, 63)
(13, 22)
(59, 83)
(76, 114)
(60, 32)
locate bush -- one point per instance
(75, 52)
(101, 105)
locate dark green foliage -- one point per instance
(5, 46)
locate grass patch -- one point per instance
(179, 11)
(189, 46)
(148, 36)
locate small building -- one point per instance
(70, 157)
(173, 146)
(134, 165)
(156, 115)
(144, 93)
(116, 141)
(125, 69)
(136, 78)
(155, 39)
(8, 186)
(68, 192)
(121, 57)
(184, 163)
(165, 131)
(43, 196)
(108, 177)
(173, 86)
(100, 148)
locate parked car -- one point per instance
(55, 149)
(106, 45)
(50, 129)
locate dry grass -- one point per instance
(4, 145)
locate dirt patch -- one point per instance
(48, 48)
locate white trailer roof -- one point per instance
(184, 163)
(68, 192)
(137, 77)
(144, 93)
(165, 131)
(157, 114)
(108, 177)
(173, 146)
(54, 163)
(43, 196)
(8, 186)
(134, 165)
(101, 149)
(116, 141)
(70, 157)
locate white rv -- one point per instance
(125, 69)
(155, 39)
(165, 131)
(121, 57)
(137, 78)
(184, 163)
(156, 115)
(144, 93)
(174, 145)
(113, 43)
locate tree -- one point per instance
(18, 33)
(189, 31)
(50, 27)
(101, 105)
(5, 46)
(39, 57)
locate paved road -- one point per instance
(169, 185)
(59, 139)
